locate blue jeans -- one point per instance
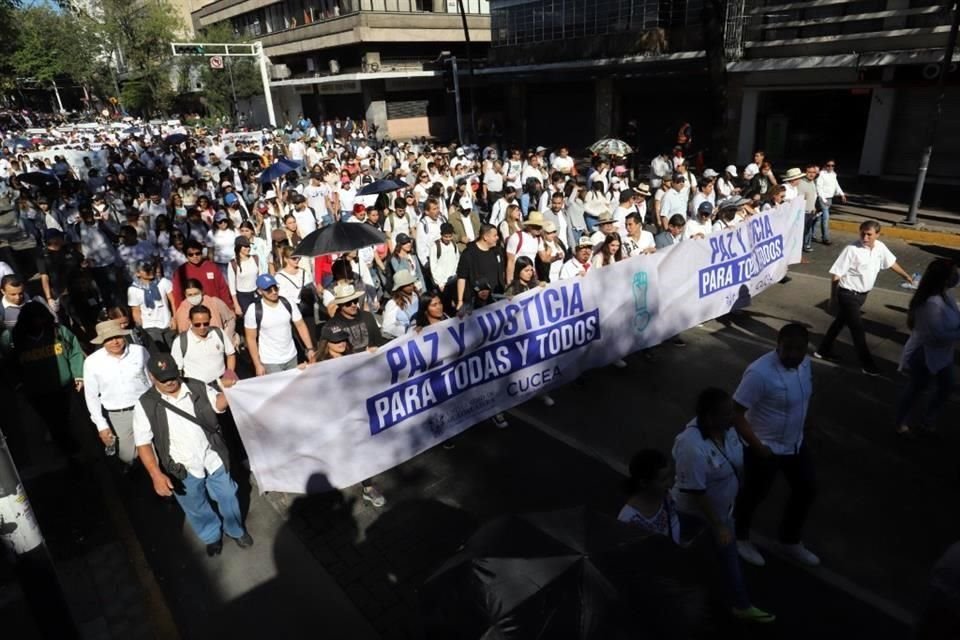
(690, 526)
(199, 512)
(808, 224)
(825, 221)
(919, 379)
(591, 222)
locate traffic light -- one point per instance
(188, 50)
(448, 67)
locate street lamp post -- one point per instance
(945, 64)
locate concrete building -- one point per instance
(852, 79)
(372, 59)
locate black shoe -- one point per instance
(244, 541)
(827, 243)
(214, 548)
(678, 342)
(785, 279)
(871, 371)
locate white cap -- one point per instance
(732, 170)
(466, 203)
(270, 194)
(710, 173)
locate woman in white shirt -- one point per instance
(401, 309)
(934, 321)
(611, 250)
(221, 242)
(242, 274)
(727, 184)
(512, 222)
(708, 457)
(258, 246)
(649, 504)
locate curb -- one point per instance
(939, 238)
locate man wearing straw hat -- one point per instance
(525, 242)
(358, 323)
(115, 376)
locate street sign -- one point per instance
(216, 62)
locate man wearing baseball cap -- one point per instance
(178, 438)
(268, 332)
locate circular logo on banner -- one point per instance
(216, 62)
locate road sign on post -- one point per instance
(216, 62)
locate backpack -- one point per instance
(236, 267)
(258, 314)
(184, 343)
(439, 244)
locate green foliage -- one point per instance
(217, 89)
(52, 44)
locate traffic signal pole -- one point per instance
(20, 536)
(210, 49)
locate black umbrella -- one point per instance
(381, 186)
(243, 156)
(340, 237)
(573, 574)
(39, 179)
(175, 138)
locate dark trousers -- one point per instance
(54, 408)
(848, 314)
(758, 476)
(108, 281)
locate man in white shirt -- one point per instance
(428, 230)
(673, 202)
(854, 274)
(317, 193)
(13, 299)
(526, 242)
(771, 408)
(700, 226)
(563, 162)
(606, 224)
(307, 218)
(180, 444)
(791, 180)
(151, 302)
(203, 352)
(625, 207)
(114, 378)
(269, 336)
(444, 256)
(499, 210)
(579, 264)
(828, 188)
(637, 241)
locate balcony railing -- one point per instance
(290, 14)
(534, 21)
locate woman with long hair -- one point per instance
(649, 504)
(401, 308)
(403, 259)
(258, 246)
(610, 251)
(242, 274)
(296, 285)
(223, 240)
(773, 197)
(934, 322)
(430, 310)
(334, 343)
(512, 221)
(524, 277)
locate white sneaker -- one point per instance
(547, 400)
(799, 553)
(749, 554)
(372, 495)
(619, 364)
(500, 421)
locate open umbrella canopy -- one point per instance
(573, 573)
(381, 186)
(611, 147)
(39, 179)
(13, 143)
(175, 138)
(244, 156)
(339, 237)
(278, 169)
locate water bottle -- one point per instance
(916, 281)
(111, 449)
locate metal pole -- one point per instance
(456, 94)
(473, 104)
(56, 92)
(20, 535)
(938, 111)
(265, 77)
(233, 90)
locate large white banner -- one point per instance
(342, 421)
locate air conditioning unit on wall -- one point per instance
(371, 62)
(280, 72)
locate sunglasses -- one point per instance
(272, 289)
(201, 324)
(194, 254)
(352, 303)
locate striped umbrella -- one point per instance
(611, 147)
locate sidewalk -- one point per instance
(934, 226)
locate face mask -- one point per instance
(195, 300)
